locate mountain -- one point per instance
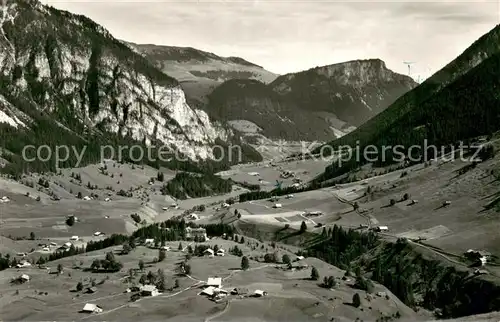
(353, 91)
(66, 80)
(199, 72)
(316, 104)
(458, 102)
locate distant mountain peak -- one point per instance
(185, 54)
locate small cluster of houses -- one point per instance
(47, 247)
(210, 252)
(479, 256)
(4, 199)
(213, 289)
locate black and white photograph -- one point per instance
(250, 160)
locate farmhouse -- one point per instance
(199, 233)
(208, 252)
(23, 264)
(149, 290)
(24, 278)
(215, 282)
(91, 290)
(87, 198)
(259, 293)
(239, 291)
(92, 308)
(220, 252)
(481, 257)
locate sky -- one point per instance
(289, 36)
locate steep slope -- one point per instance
(314, 105)
(277, 117)
(459, 102)
(353, 91)
(484, 47)
(64, 76)
(199, 72)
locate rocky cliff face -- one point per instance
(68, 67)
(198, 71)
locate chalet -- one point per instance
(208, 291)
(46, 249)
(259, 293)
(23, 264)
(239, 291)
(75, 238)
(91, 290)
(209, 252)
(87, 198)
(67, 245)
(481, 257)
(149, 290)
(24, 278)
(215, 282)
(98, 233)
(199, 233)
(220, 252)
(91, 308)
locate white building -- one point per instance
(193, 217)
(149, 290)
(24, 278)
(209, 252)
(259, 293)
(23, 264)
(221, 252)
(86, 198)
(278, 205)
(75, 238)
(215, 282)
(149, 241)
(92, 308)
(381, 228)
